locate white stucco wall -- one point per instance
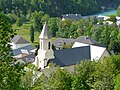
(96, 52)
(78, 44)
(16, 46)
(118, 21)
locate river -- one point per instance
(110, 12)
(105, 13)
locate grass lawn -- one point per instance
(24, 31)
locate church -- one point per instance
(65, 57)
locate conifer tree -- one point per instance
(32, 34)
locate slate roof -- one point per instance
(71, 56)
(86, 40)
(60, 42)
(28, 59)
(45, 34)
(18, 51)
(19, 40)
(72, 16)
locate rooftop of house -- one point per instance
(27, 59)
(19, 40)
(86, 40)
(22, 50)
(71, 56)
(72, 16)
(60, 42)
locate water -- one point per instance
(105, 13)
(110, 12)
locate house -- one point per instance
(24, 54)
(71, 16)
(66, 57)
(103, 18)
(22, 50)
(118, 21)
(84, 41)
(18, 42)
(60, 42)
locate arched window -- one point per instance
(49, 45)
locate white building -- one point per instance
(22, 50)
(18, 42)
(118, 21)
(101, 17)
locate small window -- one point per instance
(49, 45)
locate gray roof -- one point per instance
(28, 59)
(18, 51)
(71, 56)
(60, 42)
(72, 16)
(19, 40)
(86, 40)
(45, 34)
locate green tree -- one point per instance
(29, 77)
(53, 24)
(118, 11)
(59, 79)
(19, 22)
(45, 18)
(36, 20)
(32, 34)
(104, 75)
(64, 27)
(117, 82)
(83, 75)
(95, 20)
(9, 71)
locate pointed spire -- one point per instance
(45, 34)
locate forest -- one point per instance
(55, 7)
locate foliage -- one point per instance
(53, 24)
(112, 19)
(67, 46)
(36, 20)
(82, 75)
(32, 34)
(19, 22)
(118, 11)
(9, 72)
(22, 8)
(104, 75)
(88, 75)
(29, 77)
(59, 79)
(117, 82)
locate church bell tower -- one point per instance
(45, 51)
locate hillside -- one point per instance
(55, 7)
